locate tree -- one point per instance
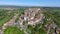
(13, 30)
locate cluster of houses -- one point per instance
(53, 26)
(33, 16)
(30, 16)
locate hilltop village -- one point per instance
(30, 21)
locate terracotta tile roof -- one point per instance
(58, 30)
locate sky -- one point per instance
(31, 2)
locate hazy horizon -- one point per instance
(49, 3)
